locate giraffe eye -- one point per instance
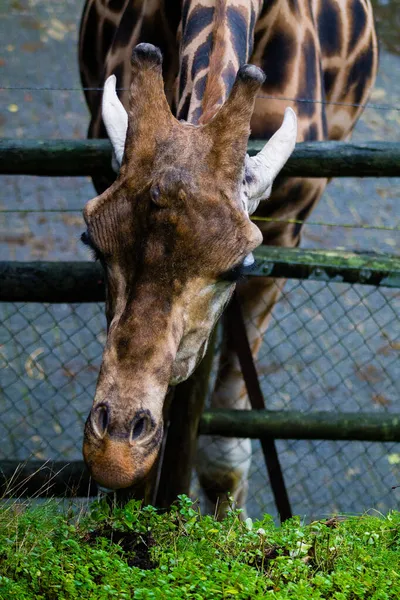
(87, 241)
(239, 271)
(158, 198)
(155, 194)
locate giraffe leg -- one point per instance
(223, 463)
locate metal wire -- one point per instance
(266, 96)
(254, 218)
(325, 224)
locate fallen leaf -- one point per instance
(57, 24)
(370, 374)
(394, 458)
(385, 350)
(378, 94)
(31, 46)
(33, 368)
(381, 400)
(55, 34)
(383, 192)
(352, 471)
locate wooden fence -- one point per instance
(83, 282)
(309, 159)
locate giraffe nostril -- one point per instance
(142, 425)
(138, 428)
(100, 420)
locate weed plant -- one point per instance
(134, 552)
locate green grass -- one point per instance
(133, 552)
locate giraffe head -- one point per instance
(171, 233)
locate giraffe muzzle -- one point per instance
(120, 454)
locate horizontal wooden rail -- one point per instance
(310, 159)
(284, 425)
(61, 478)
(84, 282)
(55, 282)
(333, 266)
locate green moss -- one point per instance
(133, 552)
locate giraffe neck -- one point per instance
(216, 39)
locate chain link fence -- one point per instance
(330, 346)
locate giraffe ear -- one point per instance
(115, 119)
(261, 170)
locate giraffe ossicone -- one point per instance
(260, 170)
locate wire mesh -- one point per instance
(333, 347)
(50, 358)
(330, 346)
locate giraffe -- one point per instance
(321, 50)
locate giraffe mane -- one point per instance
(212, 93)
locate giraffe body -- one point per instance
(319, 50)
